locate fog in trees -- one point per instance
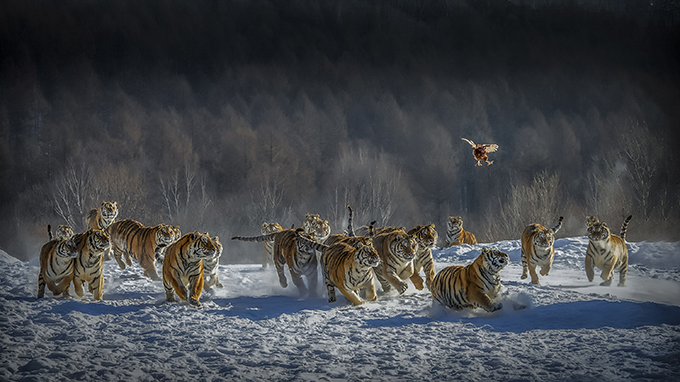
(220, 115)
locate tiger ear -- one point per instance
(194, 236)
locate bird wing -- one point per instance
(469, 141)
(489, 148)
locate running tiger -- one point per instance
(268, 246)
(211, 265)
(349, 267)
(456, 235)
(474, 285)
(426, 237)
(538, 249)
(88, 265)
(134, 240)
(300, 257)
(607, 251)
(183, 267)
(101, 218)
(396, 250)
(56, 266)
(63, 232)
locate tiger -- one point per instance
(396, 250)
(210, 266)
(320, 229)
(63, 231)
(538, 249)
(56, 266)
(89, 263)
(183, 267)
(349, 267)
(301, 259)
(268, 246)
(310, 219)
(426, 237)
(159, 253)
(607, 252)
(456, 235)
(476, 285)
(102, 217)
(134, 240)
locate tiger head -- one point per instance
(365, 255)
(310, 219)
(455, 223)
(543, 238)
(269, 228)
(98, 241)
(201, 246)
(404, 247)
(166, 235)
(218, 246)
(598, 231)
(177, 232)
(66, 248)
(425, 235)
(320, 229)
(495, 260)
(109, 210)
(65, 232)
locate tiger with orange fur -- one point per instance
(183, 267)
(89, 263)
(132, 239)
(426, 238)
(538, 249)
(476, 285)
(56, 266)
(397, 250)
(349, 267)
(300, 257)
(456, 235)
(607, 251)
(63, 232)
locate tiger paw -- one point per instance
(402, 288)
(331, 299)
(524, 275)
(219, 285)
(195, 302)
(496, 307)
(606, 283)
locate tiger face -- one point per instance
(109, 210)
(365, 255)
(269, 228)
(64, 232)
(305, 247)
(544, 239)
(166, 235)
(201, 247)
(425, 236)
(598, 232)
(66, 249)
(321, 230)
(309, 221)
(455, 223)
(98, 241)
(404, 247)
(495, 260)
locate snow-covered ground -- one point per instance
(252, 329)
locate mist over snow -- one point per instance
(252, 329)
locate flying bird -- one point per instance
(480, 150)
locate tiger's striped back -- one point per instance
(183, 267)
(56, 266)
(474, 285)
(133, 240)
(456, 235)
(608, 252)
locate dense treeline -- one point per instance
(219, 115)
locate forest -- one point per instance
(221, 115)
